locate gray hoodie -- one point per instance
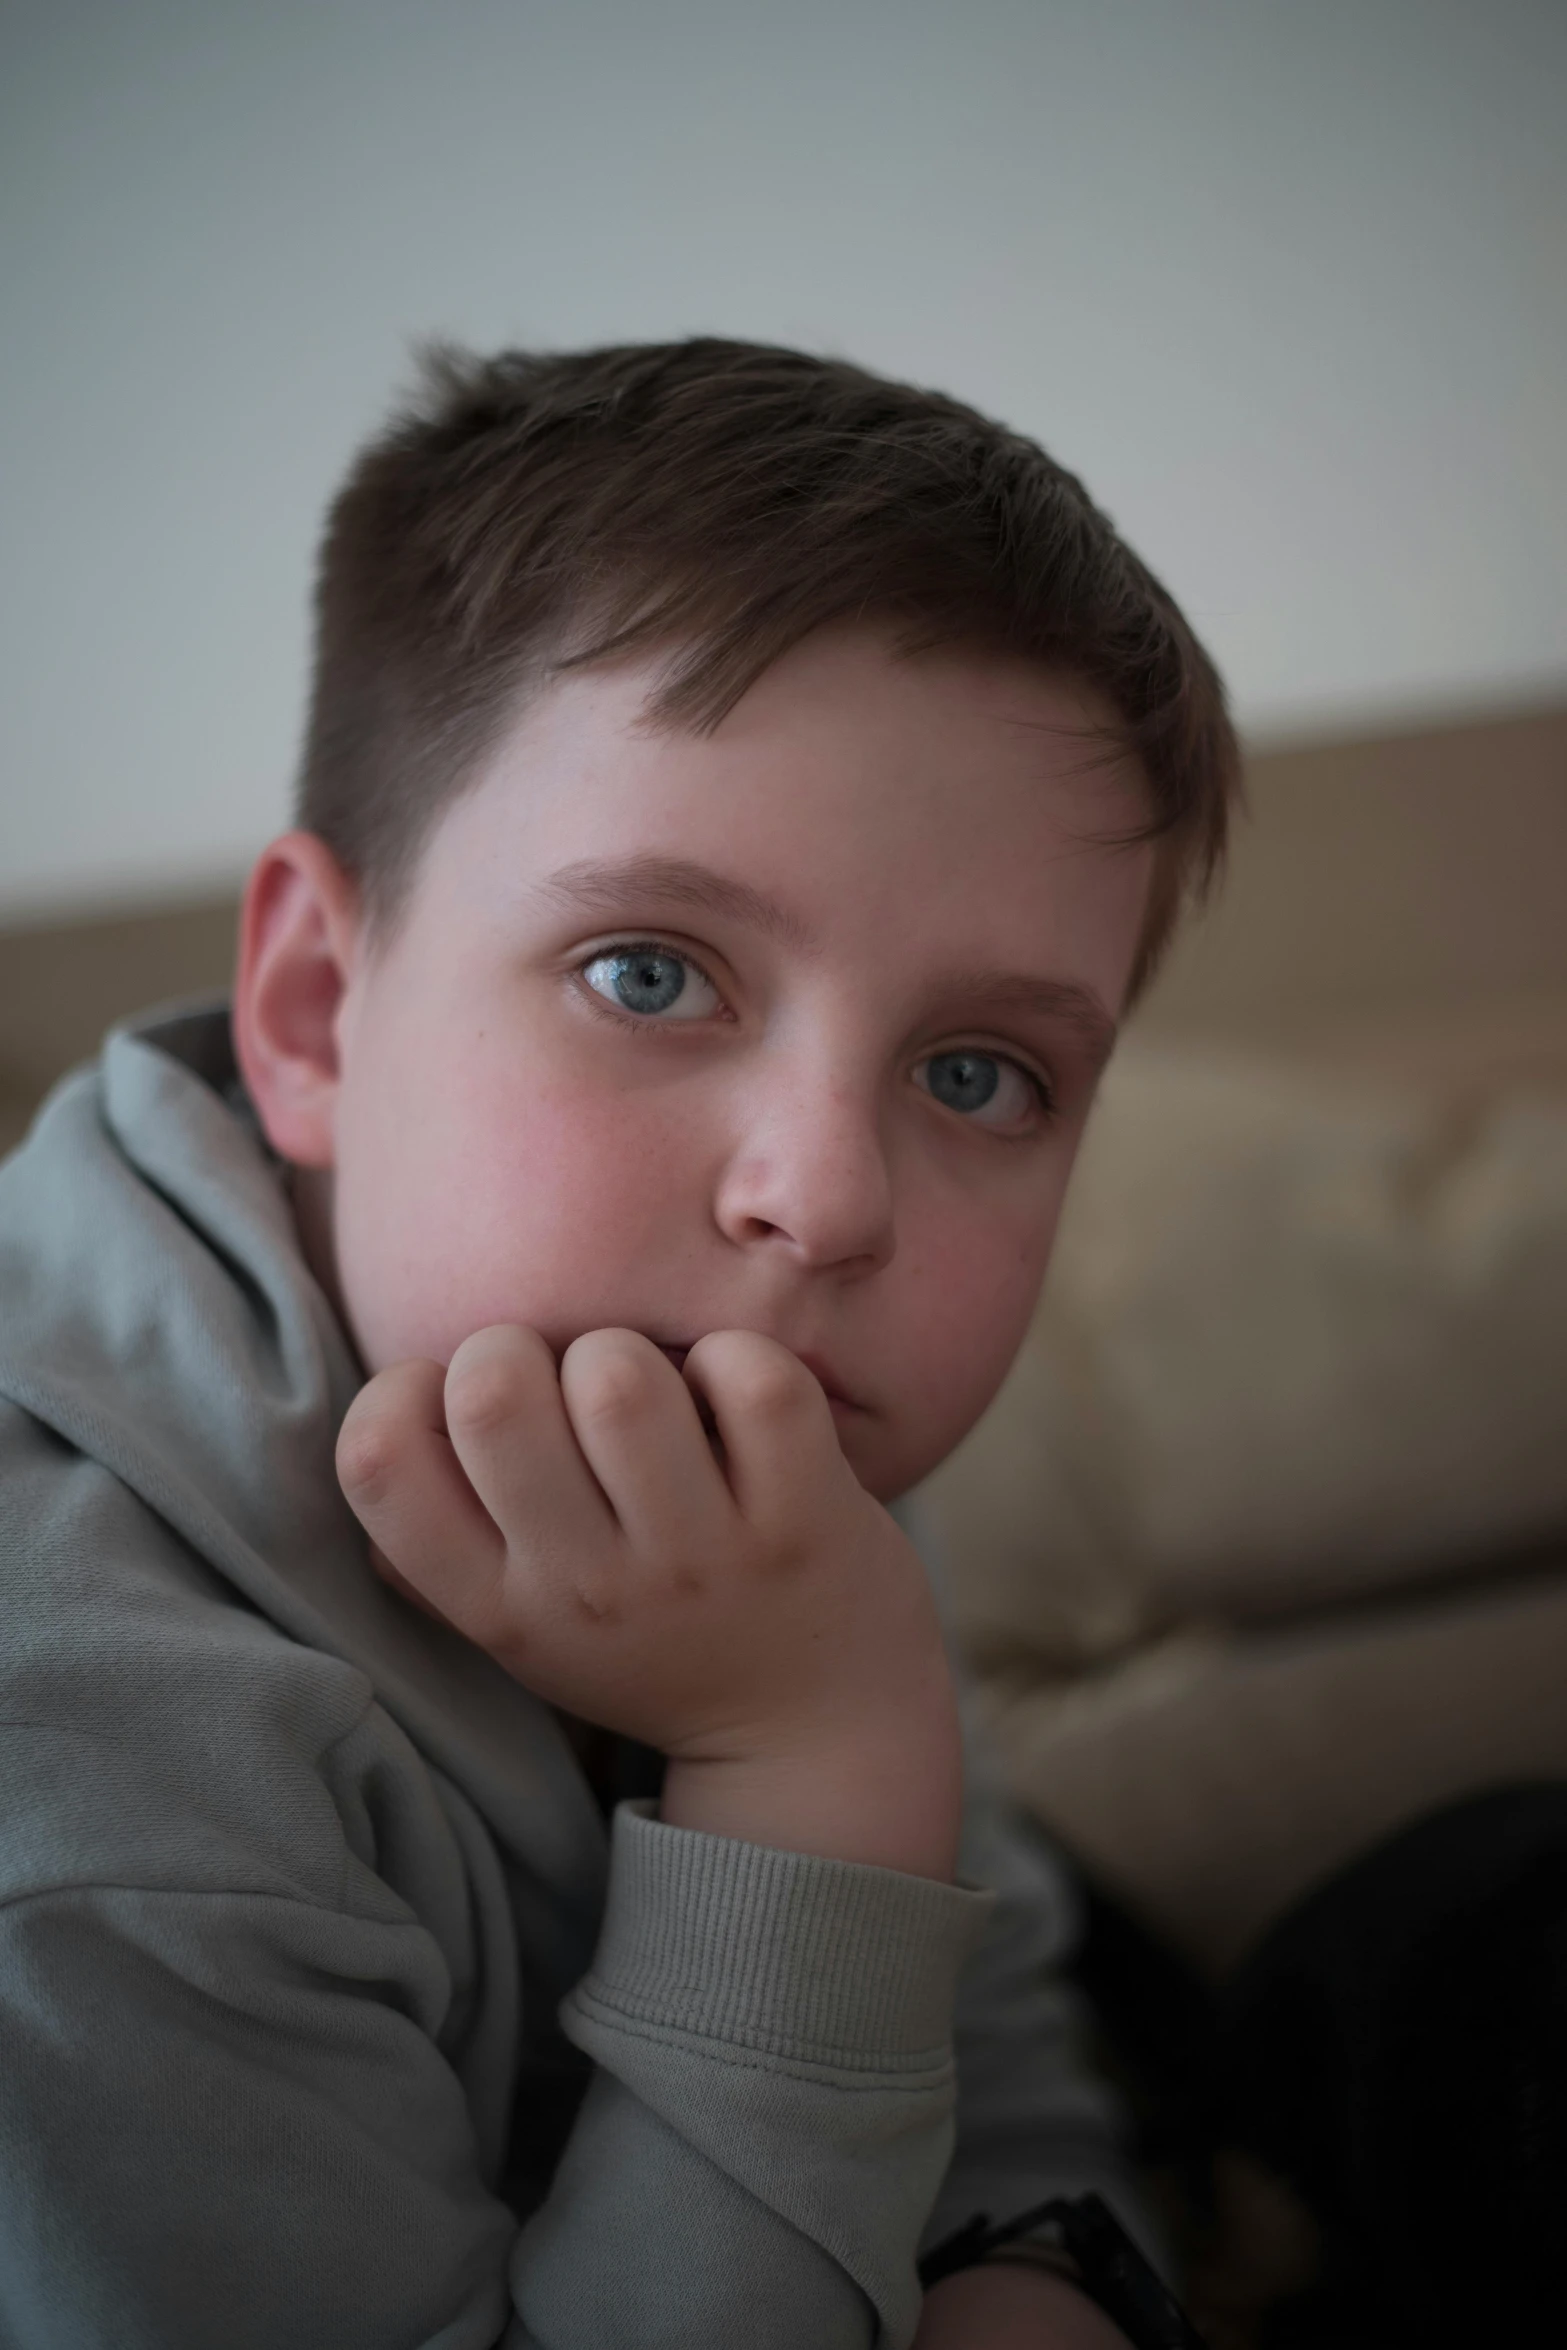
(332, 2016)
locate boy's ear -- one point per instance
(299, 940)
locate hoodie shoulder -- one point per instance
(155, 1731)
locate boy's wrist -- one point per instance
(883, 1799)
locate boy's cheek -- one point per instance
(487, 1211)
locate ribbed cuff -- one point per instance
(820, 1961)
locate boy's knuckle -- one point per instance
(367, 1458)
(591, 1603)
(771, 1389)
(614, 1388)
(483, 1394)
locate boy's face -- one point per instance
(790, 1028)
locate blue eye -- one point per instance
(653, 982)
(964, 1081)
(983, 1086)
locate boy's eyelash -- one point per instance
(646, 946)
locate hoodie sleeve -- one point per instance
(772, 2107)
(226, 2121)
(774, 2042)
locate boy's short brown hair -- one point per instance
(540, 511)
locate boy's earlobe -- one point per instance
(298, 942)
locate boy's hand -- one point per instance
(759, 1618)
(998, 2306)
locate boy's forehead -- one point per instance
(846, 703)
(953, 791)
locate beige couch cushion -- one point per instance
(1215, 1775)
(1302, 1361)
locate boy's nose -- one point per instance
(809, 1174)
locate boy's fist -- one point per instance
(747, 1609)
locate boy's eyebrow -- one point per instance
(677, 881)
(1052, 999)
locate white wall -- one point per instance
(1283, 278)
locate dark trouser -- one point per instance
(1397, 2050)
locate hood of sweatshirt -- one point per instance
(157, 1313)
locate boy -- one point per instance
(740, 797)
